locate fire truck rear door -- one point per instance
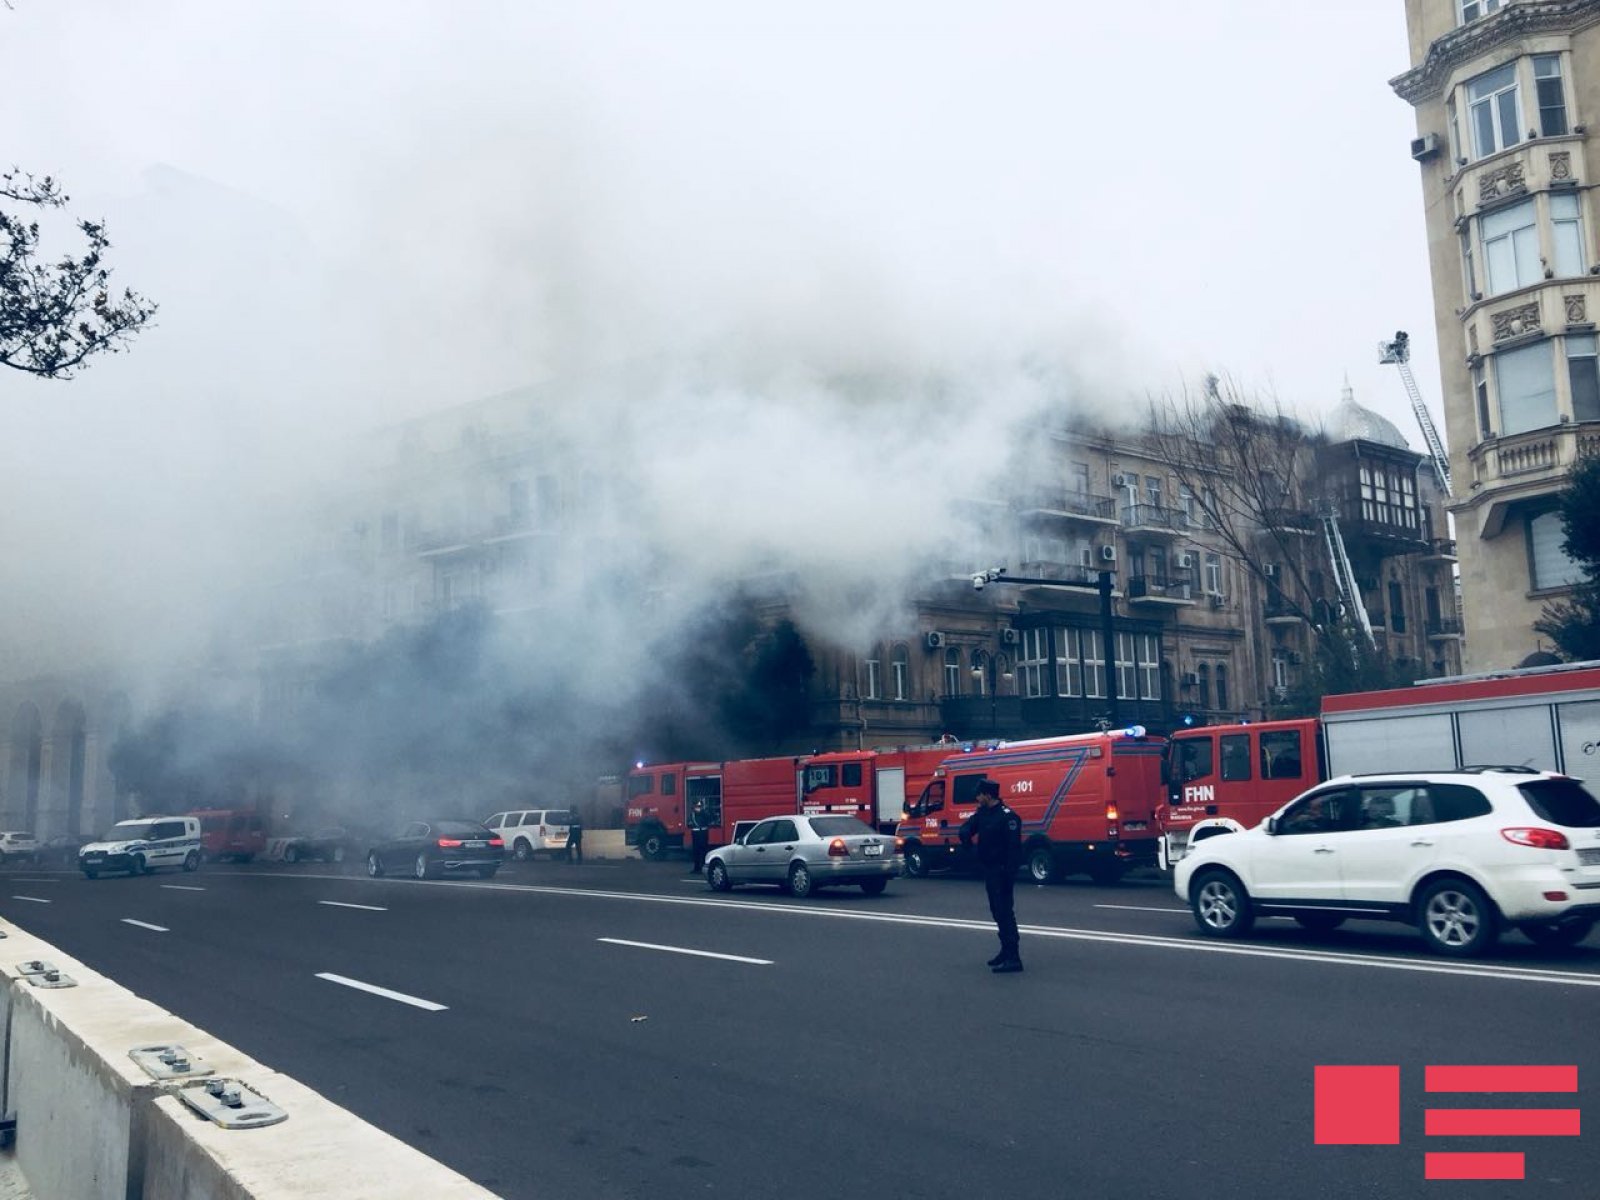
(891, 794)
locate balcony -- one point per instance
(1278, 611)
(1440, 550)
(1524, 466)
(1066, 505)
(1154, 518)
(1443, 629)
(1159, 591)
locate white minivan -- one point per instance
(528, 832)
(143, 845)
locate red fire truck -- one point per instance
(662, 798)
(870, 784)
(1223, 778)
(1087, 804)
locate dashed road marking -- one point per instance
(32, 899)
(1142, 908)
(364, 907)
(181, 887)
(758, 962)
(374, 989)
(146, 925)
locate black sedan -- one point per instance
(334, 844)
(427, 849)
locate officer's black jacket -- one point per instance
(998, 831)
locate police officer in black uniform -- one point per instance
(998, 832)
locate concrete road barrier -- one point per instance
(93, 1125)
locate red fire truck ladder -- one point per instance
(1344, 575)
(1398, 352)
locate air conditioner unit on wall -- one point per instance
(1185, 560)
(1272, 570)
(1108, 553)
(935, 639)
(1190, 679)
(1218, 601)
(1008, 637)
(1425, 147)
(1119, 480)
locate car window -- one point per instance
(1320, 812)
(415, 829)
(1562, 802)
(458, 829)
(642, 785)
(132, 831)
(1385, 807)
(1280, 754)
(784, 831)
(1235, 756)
(558, 816)
(669, 785)
(1194, 759)
(166, 829)
(819, 777)
(838, 826)
(761, 834)
(850, 774)
(1457, 802)
(496, 821)
(965, 789)
(932, 798)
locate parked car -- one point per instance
(804, 853)
(143, 845)
(236, 833)
(333, 844)
(62, 849)
(18, 847)
(426, 849)
(529, 832)
(1458, 854)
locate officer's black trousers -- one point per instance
(1002, 907)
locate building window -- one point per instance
(1203, 675)
(1552, 100)
(1527, 388)
(1584, 377)
(872, 688)
(1127, 684)
(1397, 608)
(1511, 248)
(1035, 655)
(900, 672)
(1468, 268)
(1214, 574)
(1152, 491)
(1548, 563)
(1069, 671)
(1186, 506)
(1078, 478)
(980, 673)
(1094, 664)
(1480, 389)
(1455, 129)
(1149, 647)
(1471, 10)
(1492, 111)
(1222, 686)
(952, 672)
(1566, 220)
(1280, 672)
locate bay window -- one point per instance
(1526, 383)
(1566, 223)
(1552, 100)
(1492, 111)
(1511, 247)
(1583, 374)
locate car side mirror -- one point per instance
(1272, 824)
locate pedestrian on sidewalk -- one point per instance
(998, 833)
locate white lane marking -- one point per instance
(1142, 908)
(30, 879)
(1148, 941)
(381, 991)
(146, 925)
(342, 904)
(759, 962)
(34, 899)
(181, 887)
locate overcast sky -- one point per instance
(356, 212)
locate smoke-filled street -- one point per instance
(616, 1030)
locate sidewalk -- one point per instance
(12, 1185)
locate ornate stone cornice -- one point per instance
(1426, 80)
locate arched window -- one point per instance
(899, 672)
(952, 672)
(1222, 685)
(872, 685)
(980, 673)
(1203, 673)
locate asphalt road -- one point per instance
(615, 1030)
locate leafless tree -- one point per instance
(55, 316)
(1250, 470)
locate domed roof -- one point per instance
(1351, 421)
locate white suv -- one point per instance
(1458, 854)
(531, 831)
(20, 846)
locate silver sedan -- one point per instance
(804, 853)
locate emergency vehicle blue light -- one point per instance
(639, 766)
(1134, 731)
(1188, 719)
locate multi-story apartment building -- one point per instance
(1504, 91)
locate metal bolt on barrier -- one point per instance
(232, 1104)
(51, 978)
(35, 966)
(162, 1061)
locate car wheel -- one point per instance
(1319, 922)
(191, 861)
(338, 854)
(1221, 905)
(291, 854)
(88, 874)
(1558, 935)
(1042, 864)
(916, 862)
(487, 872)
(717, 877)
(137, 867)
(874, 887)
(374, 865)
(1456, 918)
(799, 881)
(523, 852)
(422, 868)
(653, 845)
